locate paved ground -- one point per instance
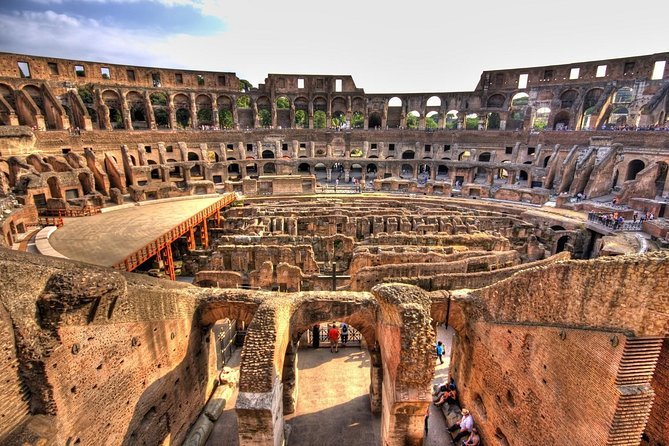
(333, 401)
(225, 429)
(108, 238)
(437, 434)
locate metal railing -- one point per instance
(354, 337)
(85, 211)
(155, 246)
(50, 221)
(609, 222)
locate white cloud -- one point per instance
(422, 46)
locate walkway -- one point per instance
(225, 429)
(333, 399)
(437, 434)
(108, 238)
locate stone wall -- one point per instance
(657, 429)
(14, 407)
(538, 385)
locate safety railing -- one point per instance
(613, 223)
(85, 211)
(50, 221)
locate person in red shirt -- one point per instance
(333, 336)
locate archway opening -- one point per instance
(633, 169)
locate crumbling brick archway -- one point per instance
(402, 330)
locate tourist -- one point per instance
(427, 419)
(635, 216)
(464, 426)
(474, 439)
(333, 336)
(450, 396)
(440, 351)
(344, 333)
(316, 336)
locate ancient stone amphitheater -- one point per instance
(307, 200)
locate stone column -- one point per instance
(148, 110)
(193, 111)
(214, 111)
(406, 340)
(125, 111)
(171, 113)
(290, 379)
(376, 380)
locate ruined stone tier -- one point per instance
(49, 93)
(99, 167)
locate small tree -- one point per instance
(282, 103)
(319, 119)
(225, 119)
(412, 121)
(265, 118)
(243, 102)
(300, 118)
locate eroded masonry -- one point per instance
(529, 214)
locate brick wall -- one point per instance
(14, 409)
(658, 423)
(538, 385)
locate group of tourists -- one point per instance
(335, 335)
(464, 428)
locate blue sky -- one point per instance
(415, 46)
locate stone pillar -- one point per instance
(511, 178)
(223, 150)
(193, 111)
(347, 172)
(171, 112)
(148, 110)
(376, 381)
(125, 111)
(328, 173)
(214, 111)
(260, 417)
(406, 340)
(290, 379)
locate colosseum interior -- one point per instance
(529, 215)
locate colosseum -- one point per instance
(527, 218)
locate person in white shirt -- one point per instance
(465, 426)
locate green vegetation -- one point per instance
(243, 102)
(162, 118)
(319, 119)
(204, 116)
(521, 101)
(183, 117)
(158, 98)
(358, 120)
(300, 118)
(431, 122)
(472, 123)
(86, 93)
(282, 103)
(225, 119)
(245, 85)
(339, 119)
(493, 121)
(265, 118)
(412, 121)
